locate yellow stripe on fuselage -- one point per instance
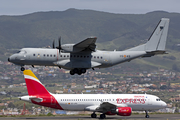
(30, 73)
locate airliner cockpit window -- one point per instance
(158, 99)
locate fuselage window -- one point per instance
(67, 55)
(47, 55)
(44, 55)
(61, 56)
(34, 54)
(71, 55)
(98, 57)
(78, 56)
(64, 55)
(50, 55)
(94, 56)
(87, 56)
(84, 56)
(74, 55)
(101, 57)
(54, 55)
(81, 56)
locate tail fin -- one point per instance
(157, 40)
(34, 86)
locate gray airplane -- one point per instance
(82, 56)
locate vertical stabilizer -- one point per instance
(34, 86)
(157, 40)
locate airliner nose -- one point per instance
(163, 104)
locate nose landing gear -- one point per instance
(147, 116)
(22, 68)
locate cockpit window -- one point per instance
(158, 99)
(21, 52)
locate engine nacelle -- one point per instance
(124, 111)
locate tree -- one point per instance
(11, 105)
(163, 87)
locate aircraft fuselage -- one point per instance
(52, 57)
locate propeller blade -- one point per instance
(53, 44)
(60, 42)
(59, 47)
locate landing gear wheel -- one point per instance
(75, 70)
(79, 72)
(83, 70)
(72, 72)
(102, 116)
(147, 116)
(22, 68)
(93, 115)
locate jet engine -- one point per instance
(124, 111)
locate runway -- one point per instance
(87, 117)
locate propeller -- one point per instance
(59, 46)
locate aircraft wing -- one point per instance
(88, 43)
(104, 107)
(107, 106)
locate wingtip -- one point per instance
(164, 18)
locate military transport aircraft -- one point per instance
(107, 104)
(82, 56)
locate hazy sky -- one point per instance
(21, 7)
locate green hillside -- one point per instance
(114, 31)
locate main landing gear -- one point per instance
(147, 116)
(78, 71)
(102, 116)
(93, 115)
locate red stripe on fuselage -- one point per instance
(48, 101)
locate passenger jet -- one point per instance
(82, 56)
(106, 104)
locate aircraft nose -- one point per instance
(9, 59)
(163, 104)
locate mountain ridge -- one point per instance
(113, 31)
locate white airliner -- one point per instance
(107, 104)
